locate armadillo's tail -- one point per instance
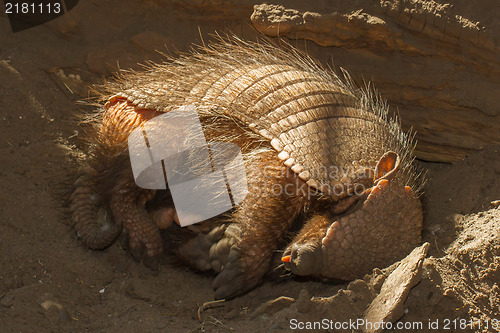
(91, 218)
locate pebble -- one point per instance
(7, 300)
(54, 311)
(73, 83)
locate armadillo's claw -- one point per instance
(145, 235)
(332, 231)
(139, 253)
(238, 276)
(206, 251)
(230, 282)
(152, 262)
(286, 259)
(303, 259)
(241, 268)
(141, 238)
(128, 208)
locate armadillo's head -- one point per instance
(381, 226)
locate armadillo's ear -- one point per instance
(387, 166)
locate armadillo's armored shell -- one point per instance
(326, 131)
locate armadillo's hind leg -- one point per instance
(126, 200)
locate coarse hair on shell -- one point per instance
(180, 75)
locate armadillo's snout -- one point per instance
(303, 259)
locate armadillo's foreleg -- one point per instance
(258, 224)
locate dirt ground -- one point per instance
(49, 282)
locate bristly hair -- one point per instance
(178, 75)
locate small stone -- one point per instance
(73, 83)
(54, 311)
(7, 300)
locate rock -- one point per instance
(438, 75)
(388, 306)
(355, 29)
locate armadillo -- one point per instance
(346, 165)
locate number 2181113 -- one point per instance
(32, 8)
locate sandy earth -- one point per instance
(50, 282)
